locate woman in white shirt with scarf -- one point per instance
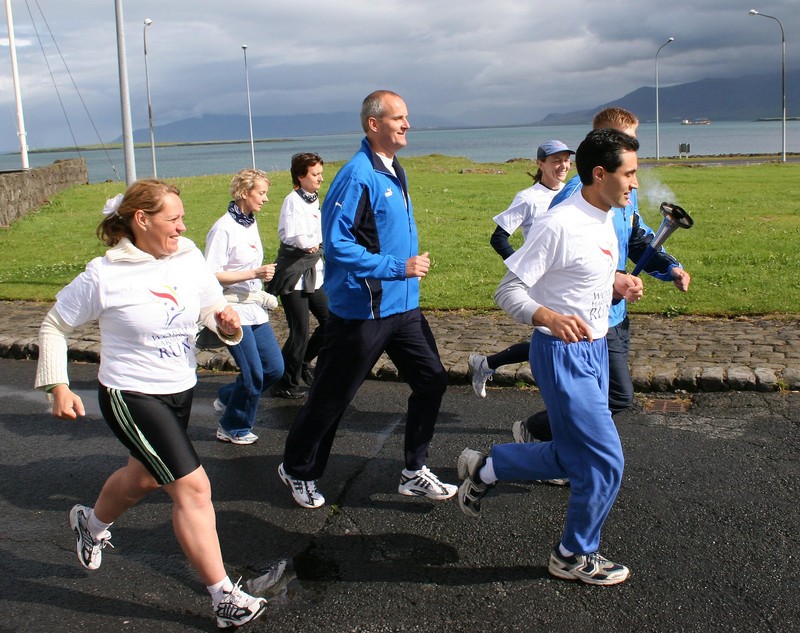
(299, 275)
(235, 255)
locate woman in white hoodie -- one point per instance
(147, 293)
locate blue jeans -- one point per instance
(260, 364)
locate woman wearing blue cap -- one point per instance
(554, 161)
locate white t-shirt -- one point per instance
(147, 310)
(233, 247)
(526, 206)
(568, 262)
(300, 225)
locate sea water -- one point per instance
(484, 145)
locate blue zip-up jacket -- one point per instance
(633, 236)
(368, 232)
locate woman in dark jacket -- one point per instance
(299, 274)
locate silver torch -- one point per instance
(674, 218)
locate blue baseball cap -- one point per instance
(551, 147)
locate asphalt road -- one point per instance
(707, 520)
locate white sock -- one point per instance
(95, 526)
(486, 473)
(218, 589)
(564, 551)
(410, 473)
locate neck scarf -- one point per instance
(308, 197)
(241, 218)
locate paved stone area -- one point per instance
(667, 354)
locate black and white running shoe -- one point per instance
(593, 569)
(237, 608)
(425, 484)
(305, 493)
(90, 549)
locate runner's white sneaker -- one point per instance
(237, 608)
(472, 489)
(480, 372)
(90, 550)
(305, 493)
(593, 569)
(520, 432)
(219, 407)
(425, 484)
(247, 438)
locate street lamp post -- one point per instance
(147, 23)
(783, 78)
(249, 110)
(658, 132)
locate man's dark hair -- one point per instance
(604, 148)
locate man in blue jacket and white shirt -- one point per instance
(372, 273)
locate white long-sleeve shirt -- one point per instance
(147, 310)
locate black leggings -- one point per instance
(517, 353)
(300, 349)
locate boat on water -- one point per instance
(696, 122)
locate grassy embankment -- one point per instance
(742, 253)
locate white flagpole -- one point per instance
(23, 140)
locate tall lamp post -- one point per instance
(147, 23)
(658, 132)
(783, 77)
(249, 110)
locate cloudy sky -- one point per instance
(475, 62)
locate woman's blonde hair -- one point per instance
(244, 181)
(143, 195)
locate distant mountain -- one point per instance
(231, 127)
(734, 99)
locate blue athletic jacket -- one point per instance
(368, 232)
(633, 236)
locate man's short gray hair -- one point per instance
(372, 106)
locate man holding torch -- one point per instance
(562, 281)
(634, 236)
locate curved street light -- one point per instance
(249, 110)
(658, 134)
(147, 23)
(783, 77)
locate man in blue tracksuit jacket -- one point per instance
(372, 274)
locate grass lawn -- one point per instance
(742, 252)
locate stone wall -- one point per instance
(23, 190)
